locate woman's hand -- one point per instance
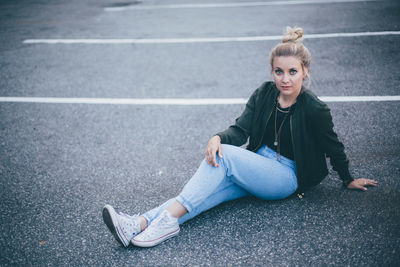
(361, 184)
(213, 146)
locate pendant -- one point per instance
(276, 143)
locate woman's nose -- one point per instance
(285, 78)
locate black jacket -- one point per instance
(311, 129)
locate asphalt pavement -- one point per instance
(61, 163)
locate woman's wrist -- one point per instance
(219, 137)
(347, 182)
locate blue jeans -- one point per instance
(241, 173)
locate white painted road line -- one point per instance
(179, 101)
(360, 98)
(201, 40)
(243, 4)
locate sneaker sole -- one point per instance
(111, 222)
(155, 242)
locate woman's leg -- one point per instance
(224, 192)
(240, 172)
(259, 173)
(219, 196)
(165, 225)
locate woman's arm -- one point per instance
(334, 149)
(238, 133)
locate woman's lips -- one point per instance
(285, 87)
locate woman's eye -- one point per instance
(293, 72)
(278, 72)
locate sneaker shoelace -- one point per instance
(157, 225)
(132, 217)
(131, 220)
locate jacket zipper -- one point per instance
(299, 195)
(291, 135)
(265, 127)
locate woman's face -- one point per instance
(288, 75)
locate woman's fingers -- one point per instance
(362, 184)
(210, 156)
(362, 187)
(357, 184)
(220, 150)
(213, 146)
(213, 159)
(367, 182)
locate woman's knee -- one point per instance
(230, 155)
(229, 149)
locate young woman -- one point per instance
(290, 132)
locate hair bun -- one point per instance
(293, 35)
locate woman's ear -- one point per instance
(306, 71)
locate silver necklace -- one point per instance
(283, 111)
(278, 133)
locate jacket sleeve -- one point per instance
(238, 133)
(328, 140)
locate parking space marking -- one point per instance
(202, 40)
(243, 4)
(179, 101)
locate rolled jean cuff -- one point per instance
(147, 218)
(188, 206)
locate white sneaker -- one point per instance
(123, 226)
(163, 227)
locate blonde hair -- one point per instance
(292, 46)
